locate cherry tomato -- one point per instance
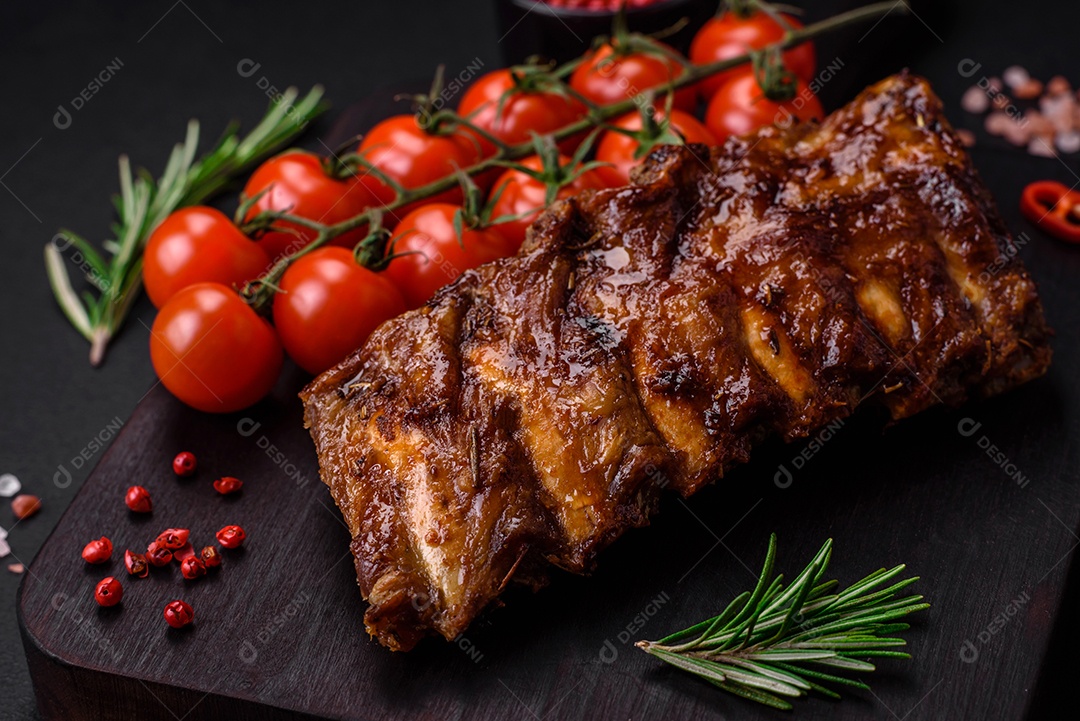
(196, 245)
(329, 305)
(413, 157)
(600, 6)
(620, 150)
(522, 113)
(521, 193)
(728, 35)
(299, 184)
(740, 107)
(606, 77)
(213, 351)
(432, 255)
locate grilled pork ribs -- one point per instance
(647, 336)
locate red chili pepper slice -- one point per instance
(1054, 208)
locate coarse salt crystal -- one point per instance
(1038, 123)
(1063, 114)
(1052, 104)
(975, 100)
(1029, 90)
(1018, 133)
(9, 485)
(1068, 142)
(1015, 76)
(997, 123)
(1058, 85)
(1040, 147)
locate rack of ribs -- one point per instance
(647, 337)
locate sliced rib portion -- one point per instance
(647, 337)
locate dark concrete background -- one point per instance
(179, 60)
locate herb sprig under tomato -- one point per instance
(143, 204)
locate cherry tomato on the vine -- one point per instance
(431, 255)
(606, 76)
(740, 106)
(413, 157)
(520, 193)
(600, 5)
(300, 186)
(213, 351)
(328, 305)
(196, 245)
(728, 35)
(620, 150)
(522, 112)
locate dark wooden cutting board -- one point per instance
(981, 502)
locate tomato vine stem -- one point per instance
(259, 292)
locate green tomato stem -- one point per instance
(260, 292)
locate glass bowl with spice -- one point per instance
(562, 30)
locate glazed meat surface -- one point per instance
(647, 337)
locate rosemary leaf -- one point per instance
(763, 682)
(709, 627)
(65, 294)
(809, 673)
(700, 667)
(848, 664)
(761, 697)
(764, 670)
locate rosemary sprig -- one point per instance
(143, 203)
(776, 643)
